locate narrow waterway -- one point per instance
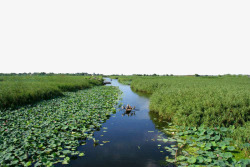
(125, 140)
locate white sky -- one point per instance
(125, 37)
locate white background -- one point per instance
(125, 37)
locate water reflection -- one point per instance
(128, 113)
(158, 121)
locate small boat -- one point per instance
(128, 109)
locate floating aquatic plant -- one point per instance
(51, 131)
(202, 146)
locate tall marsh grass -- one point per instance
(20, 90)
(192, 101)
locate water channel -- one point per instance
(127, 140)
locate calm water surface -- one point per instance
(131, 140)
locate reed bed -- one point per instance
(21, 90)
(194, 101)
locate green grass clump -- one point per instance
(114, 76)
(50, 131)
(126, 80)
(20, 90)
(192, 101)
(209, 105)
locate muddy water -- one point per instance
(131, 138)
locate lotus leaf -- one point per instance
(52, 129)
(192, 160)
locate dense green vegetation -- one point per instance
(190, 101)
(50, 131)
(126, 80)
(209, 117)
(27, 89)
(202, 146)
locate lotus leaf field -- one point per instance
(190, 146)
(50, 131)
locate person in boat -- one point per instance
(128, 107)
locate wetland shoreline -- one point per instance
(93, 133)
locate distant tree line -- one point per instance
(94, 74)
(51, 73)
(196, 75)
